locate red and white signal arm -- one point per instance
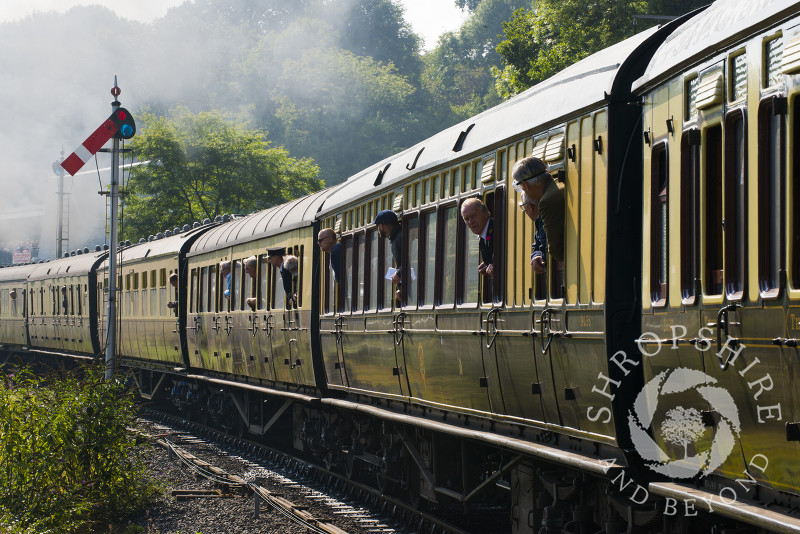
(119, 124)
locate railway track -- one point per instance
(310, 496)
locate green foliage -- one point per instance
(203, 165)
(343, 110)
(541, 41)
(458, 71)
(67, 462)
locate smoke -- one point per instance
(58, 70)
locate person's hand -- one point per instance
(539, 265)
(171, 305)
(396, 278)
(482, 268)
(486, 270)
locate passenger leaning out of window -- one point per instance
(173, 281)
(531, 177)
(539, 245)
(478, 219)
(390, 228)
(251, 268)
(326, 239)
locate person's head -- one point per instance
(386, 220)
(475, 215)
(529, 175)
(275, 256)
(326, 239)
(528, 206)
(224, 268)
(250, 265)
(290, 263)
(173, 279)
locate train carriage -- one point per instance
(720, 257)
(14, 307)
(516, 349)
(150, 310)
(63, 313)
(269, 337)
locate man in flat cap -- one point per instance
(389, 227)
(275, 258)
(531, 177)
(326, 239)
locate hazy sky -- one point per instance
(429, 18)
(51, 103)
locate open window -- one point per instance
(690, 209)
(659, 225)
(712, 211)
(735, 208)
(771, 207)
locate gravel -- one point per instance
(217, 515)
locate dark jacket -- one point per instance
(486, 247)
(336, 261)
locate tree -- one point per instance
(458, 71)
(204, 165)
(346, 112)
(543, 40)
(683, 427)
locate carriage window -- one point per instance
(374, 273)
(346, 282)
(690, 179)
(236, 285)
(361, 264)
(795, 179)
(469, 264)
(429, 274)
(249, 288)
(659, 225)
(278, 293)
(212, 288)
(194, 294)
(712, 215)
(734, 210)
(409, 277)
(387, 298)
(263, 271)
(201, 302)
(80, 300)
(448, 255)
(298, 287)
(329, 295)
(771, 166)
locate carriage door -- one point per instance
(330, 323)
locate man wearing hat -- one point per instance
(531, 177)
(389, 227)
(275, 258)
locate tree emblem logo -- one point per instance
(682, 427)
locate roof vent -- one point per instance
(196, 224)
(159, 235)
(218, 218)
(142, 240)
(167, 233)
(105, 246)
(79, 252)
(413, 165)
(206, 221)
(226, 218)
(176, 231)
(98, 248)
(381, 174)
(85, 250)
(186, 227)
(151, 237)
(127, 243)
(66, 254)
(461, 138)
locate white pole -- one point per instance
(111, 338)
